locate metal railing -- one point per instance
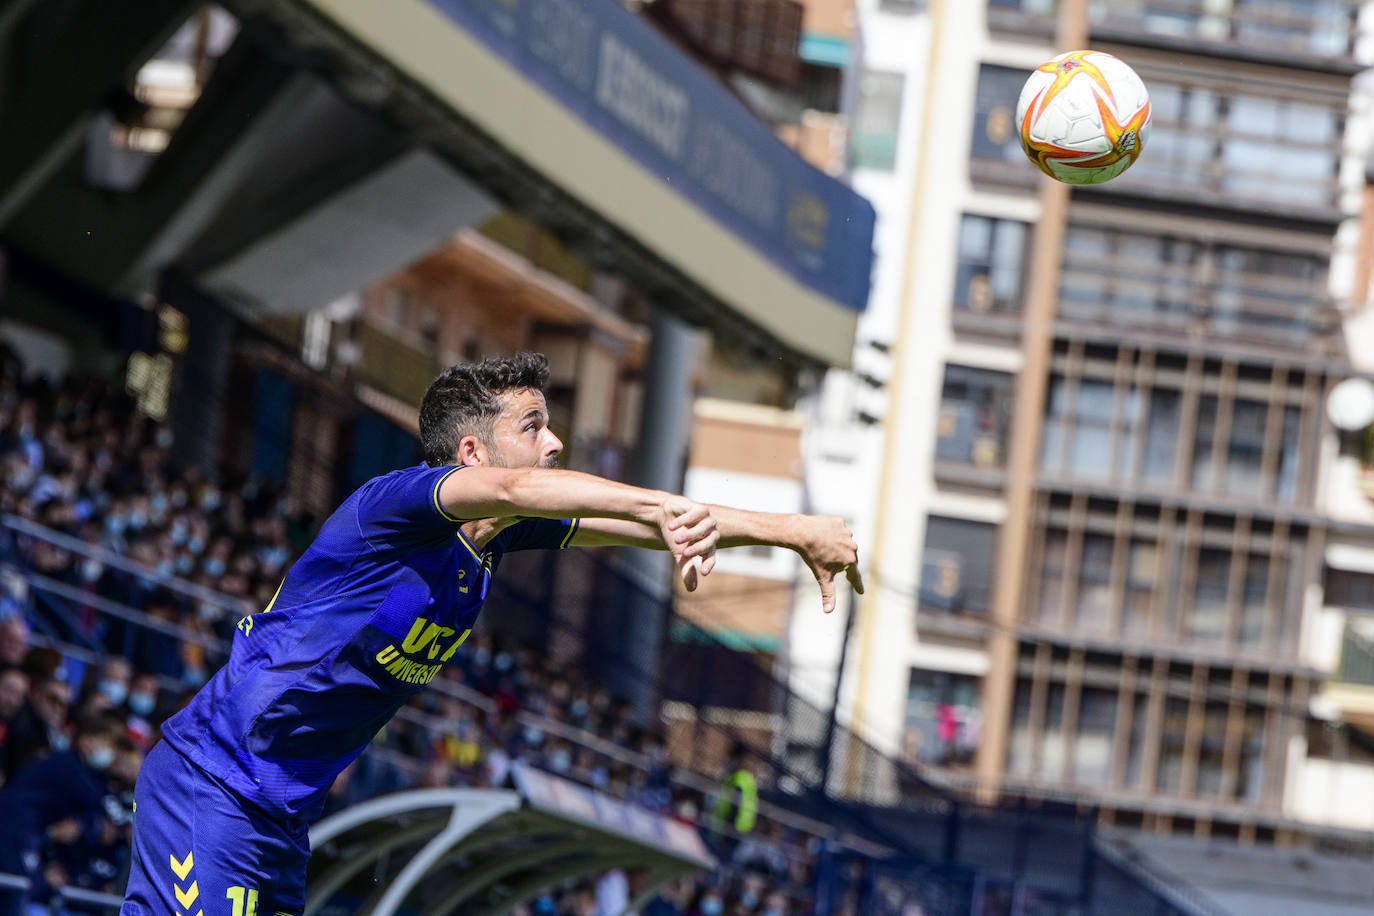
(959, 829)
(63, 897)
(59, 617)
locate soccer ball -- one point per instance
(1083, 117)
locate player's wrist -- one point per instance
(794, 532)
(653, 507)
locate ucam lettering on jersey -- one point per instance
(426, 649)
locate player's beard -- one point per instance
(497, 460)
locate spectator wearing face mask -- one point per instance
(61, 802)
(145, 710)
(709, 902)
(113, 679)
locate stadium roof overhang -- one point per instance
(441, 851)
(584, 113)
(340, 137)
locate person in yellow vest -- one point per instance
(737, 805)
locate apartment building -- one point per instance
(1119, 551)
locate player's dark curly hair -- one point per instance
(465, 401)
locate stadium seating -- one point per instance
(107, 551)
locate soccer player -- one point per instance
(370, 613)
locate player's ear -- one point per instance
(471, 451)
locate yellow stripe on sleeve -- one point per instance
(572, 529)
(439, 507)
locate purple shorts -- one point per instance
(200, 849)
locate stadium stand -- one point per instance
(135, 573)
(122, 576)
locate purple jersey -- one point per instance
(368, 615)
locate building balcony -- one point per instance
(1181, 308)
(395, 360)
(1320, 35)
(1296, 32)
(1338, 793)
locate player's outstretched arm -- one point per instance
(685, 528)
(824, 543)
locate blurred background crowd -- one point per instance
(80, 461)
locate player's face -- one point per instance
(521, 437)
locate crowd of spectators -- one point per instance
(76, 459)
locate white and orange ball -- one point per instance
(1083, 117)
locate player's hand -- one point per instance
(828, 547)
(689, 533)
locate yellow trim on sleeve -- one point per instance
(462, 539)
(439, 507)
(271, 604)
(567, 538)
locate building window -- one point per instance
(1245, 457)
(957, 565)
(1079, 429)
(1322, 27)
(1172, 739)
(1319, 27)
(1092, 749)
(975, 417)
(1019, 743)
(1135, 751)
(820, 87)
(1286, 484)
(994, 117)
(1142, 571)
(1161, 435)
(1255, 292)
(1250, 781)
(1120, 277)
(877, 124)
(1126, 277)
(1204, 437)
(1275, 150)
(1254, 607)
(1090, 443)
(1207, 622)
(1095, 585)
(1054, 550)
(1050, 761)
(943, 723)
(1237, 590)
(1349, 589)
(1211, 780)
(1036, 7)
(991, 273)
(1052, 430)
(1243, 472)
(902, 7)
